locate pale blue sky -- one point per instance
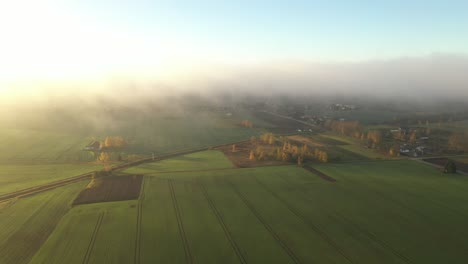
(324, 30)
(62, 38)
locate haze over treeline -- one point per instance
(437, 82)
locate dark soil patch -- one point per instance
(442, 161)
(113, 188)
(320, 174)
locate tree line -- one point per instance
(285, 151)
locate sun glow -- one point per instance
(39, 42)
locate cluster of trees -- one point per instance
(113, 142)
(268, 138)
(288, 153)
(247, 123)
(374, 138)
(458, 141)
(346, 128)
(394, 150)
(109, 156)
(104, 157)
(108, 149)
(412, 136)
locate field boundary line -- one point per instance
(93, 238)
(272, 232)
(314, 227)
(183, 236)
(139, 217)
(218, 215)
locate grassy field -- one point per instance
(205, 160)
(352, 145)
(95, 233)
(199, 209)
(26, 223)
(30, 157)
(365, 116)
(165, 133)
(17, 177)
(27, 146)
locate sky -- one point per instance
(59, 40)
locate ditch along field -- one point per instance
(198, 208)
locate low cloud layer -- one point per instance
(427, 78)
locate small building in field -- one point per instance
(93, 146)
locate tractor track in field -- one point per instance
(381, 196)
(89, 250)
(138, 227)
(365, 232)
(388, 197)
(218, 215)
(183, 236)
(316, 229)
(272, 232)
(376, 239)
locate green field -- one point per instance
(96, 233)
(17, 177)
(199, 161)
(30, 157)
(28, 146)
(26, 223)
(366, 116)
(352, 145)
(165, 132)
(376, 212)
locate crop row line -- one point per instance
(376, 239)
(93, 238)
(369, 235)
(314, 227)
(183, 236)
(218, 215)
(139, 217)
(414, 211)
(251, 207)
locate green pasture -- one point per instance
(17, 177)
(26, 223)
(199, 209)
(205, 160)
